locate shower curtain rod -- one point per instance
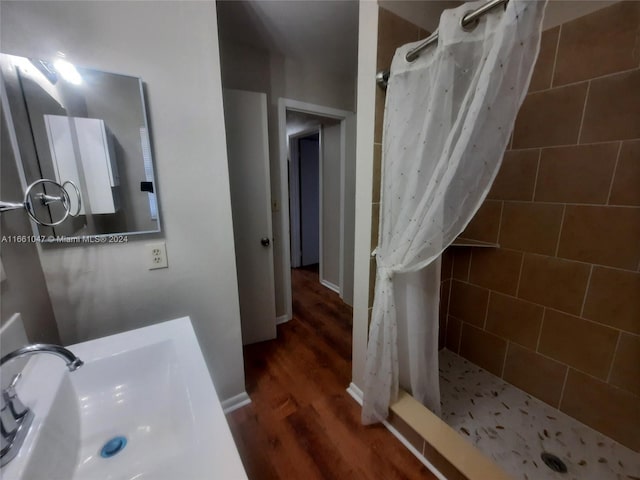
(382, 77)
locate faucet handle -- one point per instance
(10, 396)
(14, 381)
(8, 422)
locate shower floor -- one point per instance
(513, 428)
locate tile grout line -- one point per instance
(544, 314)
(486, 312)
(535, 182)
(586, 292)
(449, 300)
(584, 110)
(446, 320)
(578, 82)
(555, 57)
(460, 335)
(564, 211)
(566, 145)
(504, 360)
(548, 357)
(564, 259)
(499, 224)
(613, 358)
(573, 204)
(615, 170)
(564, 385)
(453, 263)
(469, 266)
(520, 276)
(553, 309)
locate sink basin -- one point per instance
(149, 386)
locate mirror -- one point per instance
(87, 130)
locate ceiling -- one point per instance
(323, 32)
(425, 14)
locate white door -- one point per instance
(248, 151)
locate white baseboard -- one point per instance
(235, 402)
(283, 319)
(356, 394)
(330, 286)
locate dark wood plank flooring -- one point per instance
(302, 424)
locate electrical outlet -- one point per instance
(157, 255)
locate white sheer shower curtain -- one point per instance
(448, 117)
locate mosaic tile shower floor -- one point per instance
(513, 428)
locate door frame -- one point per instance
(294, 192)
(285, 104)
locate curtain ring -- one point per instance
(471, 26)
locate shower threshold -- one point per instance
(514, 429)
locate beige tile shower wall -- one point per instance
(556, 309)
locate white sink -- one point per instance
(150, 386)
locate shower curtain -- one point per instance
(448, 118)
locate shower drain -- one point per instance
(553, 462)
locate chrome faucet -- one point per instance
(15, 417)
(73, 362)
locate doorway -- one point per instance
(314, 195)
(299, 123)
(304, 191)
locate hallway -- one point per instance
(302, 424)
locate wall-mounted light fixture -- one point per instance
(67, 71)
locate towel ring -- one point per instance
(75, 187)
(45, 200)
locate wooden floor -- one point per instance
(301, 424)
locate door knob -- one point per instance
(265, 241)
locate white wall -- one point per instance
(331, 183)
(24, 289)
(309, 83)
(248, 68)
(349, 207)
(367, 51)
(98, 290)
(561, 11)
(425, 14)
